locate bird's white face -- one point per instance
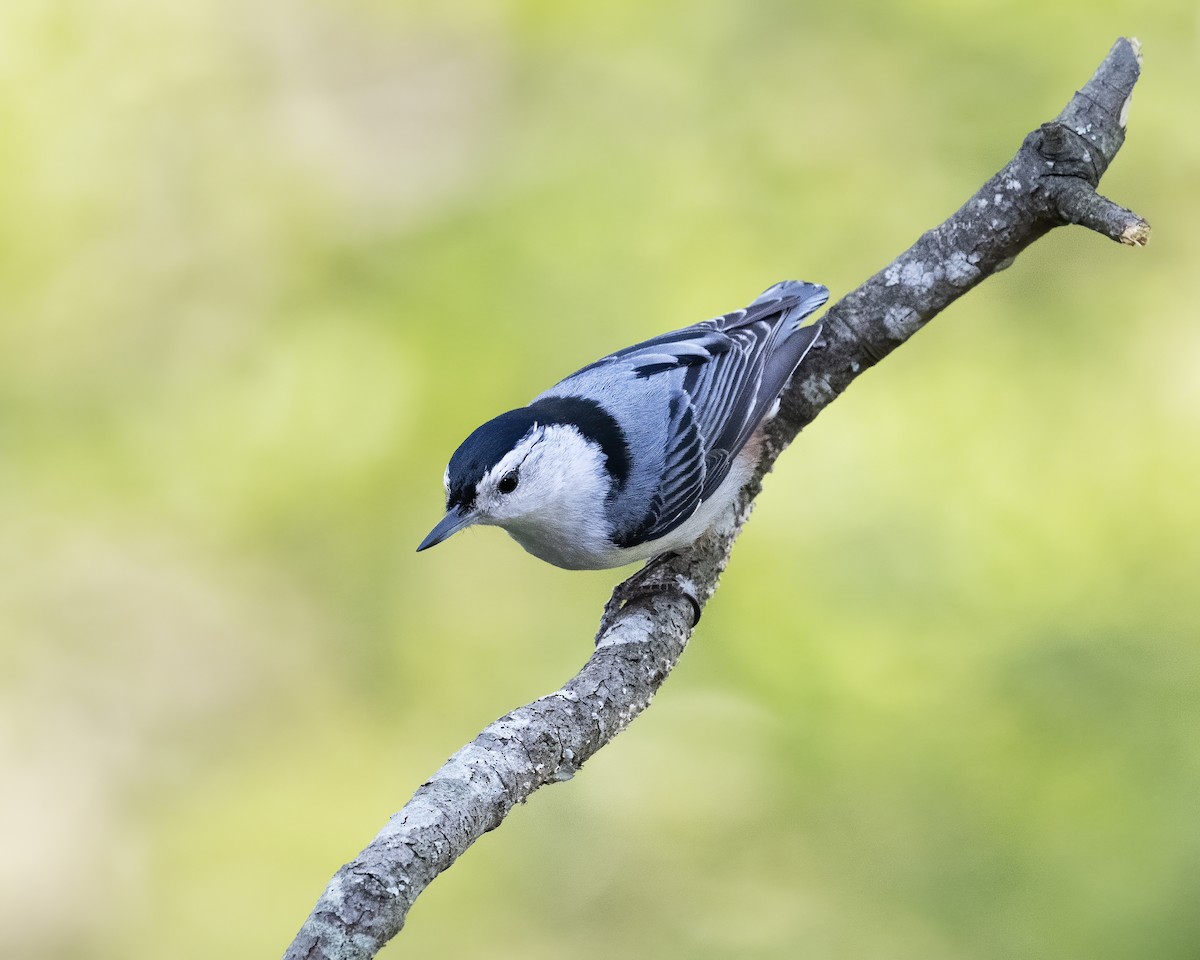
(552, 474)
(549, 492)
(557, 508)
(511, 488)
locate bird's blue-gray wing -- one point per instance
(726, 374)
(682, 481)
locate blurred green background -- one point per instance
(264, 264)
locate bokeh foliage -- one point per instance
(263, 264)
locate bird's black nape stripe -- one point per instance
(595, 423)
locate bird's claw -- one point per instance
(647, 582)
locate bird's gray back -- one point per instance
(688, 401)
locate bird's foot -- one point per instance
(651, 580)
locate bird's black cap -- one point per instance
(482, 450)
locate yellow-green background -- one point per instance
(264, 264)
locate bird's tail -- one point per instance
(807, 297)
(796, 300)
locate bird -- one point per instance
(637, 454)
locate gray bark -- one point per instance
(1050, 182)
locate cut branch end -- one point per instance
(1136, 234)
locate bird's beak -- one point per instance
(455, 519)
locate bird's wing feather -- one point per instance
(682, 482)
(733, 368)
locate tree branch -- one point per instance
(1050, 182)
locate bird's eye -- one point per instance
(508, 482)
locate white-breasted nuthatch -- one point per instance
(638, 453)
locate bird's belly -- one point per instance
(570, 542)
